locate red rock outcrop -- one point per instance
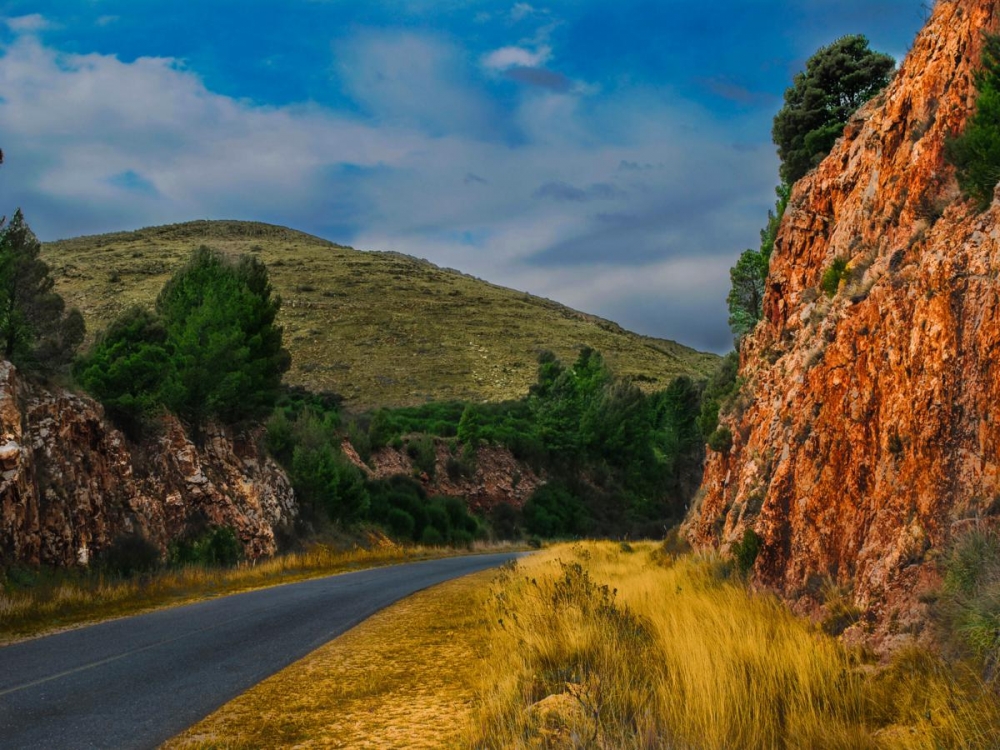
(868, 428)
(70, 481)
(495, 478)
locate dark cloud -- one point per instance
(540, 77)
(471, 179)
(737, 93)
(561, 191)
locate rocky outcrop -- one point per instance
(493, 477)
(868, 429)
(72, 484)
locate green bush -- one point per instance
(976, 152)
(422, 450)
(128, 555)
(554, 511)
(832, 276)
(216, 546)
(746, 550)
(971, 595)
(721, 440)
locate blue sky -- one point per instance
(615, 157)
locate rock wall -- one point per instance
(496, 477)
(72, 482)
(868, 430)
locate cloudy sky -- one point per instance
(614, 156)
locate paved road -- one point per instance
(135, 683)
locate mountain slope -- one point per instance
(866, 435)
(378, 328)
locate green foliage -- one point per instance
(422, 450)
(226, 350)
(837, 80)
(323, 479)
(832, 276)
(748, 276)
(129, 555)
(554, 511)
(215, 546)
(720, 388)
(125, 369)
(402, 506)
(36, 332)
(976, 152)
(210, 351)
(971, 595)
(721, 439)
(746, 550)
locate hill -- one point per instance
(378, 328)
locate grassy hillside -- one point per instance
(378, 328)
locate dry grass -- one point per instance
(677, 655)
(402, 679)
(381, 329)
(64, 601)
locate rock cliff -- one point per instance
(71, 482)
(493, 478)
(867, 430)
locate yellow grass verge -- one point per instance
(602, 645)
(67, 601)
(402, 679)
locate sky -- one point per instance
(615, 157)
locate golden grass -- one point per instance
(68, 602)
(677, 655)
(404, 679)
(381, 329)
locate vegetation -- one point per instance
(211, 350)
(976, 152)
(679, 654)
(746, 294)
(970, 602)
(746, 550)
(833, 275)
(381, 329)
(721, 389)
(837, 80)
(36, 332)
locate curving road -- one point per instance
(136, 682)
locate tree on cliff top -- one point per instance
(976, 153)
(36, 332)
(837, 80)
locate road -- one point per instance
(136, 682)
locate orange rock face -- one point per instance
(868, 430)
(71, 482)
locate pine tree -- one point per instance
(36, 332)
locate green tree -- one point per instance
(225, 348)
(748, 276)
(126, 369)
(36, 332)
(976, 153)
(837, 80)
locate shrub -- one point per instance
(721, 440)
(832, 276)
(130, 554)
(424, 454)
(746, 550)
(214, 546)
(971, 595)
(976, 153)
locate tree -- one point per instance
(36, 332)
(746, 294)
(126, 369)
(976, 153)
(226, 351)
(837, 80)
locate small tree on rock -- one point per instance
(837, 80)
(36, 332)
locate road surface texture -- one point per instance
(136, 682)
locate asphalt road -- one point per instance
(136, 682)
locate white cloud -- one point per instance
(517, 57)
(107, 20)
(94, 144)
(521, 11)
(28, 24)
